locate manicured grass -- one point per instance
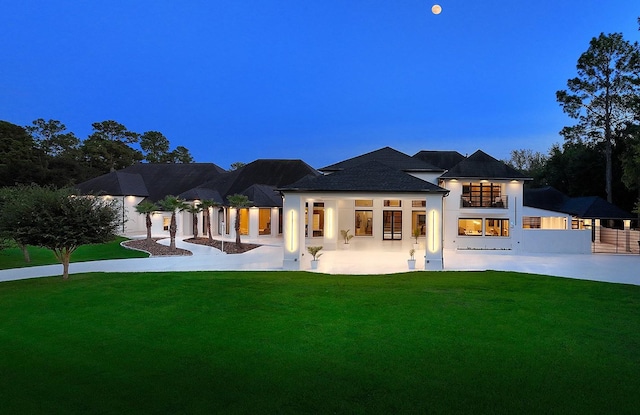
(296, 343)
(13, 258)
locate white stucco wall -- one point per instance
(453, 211)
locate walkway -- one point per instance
(598, 267)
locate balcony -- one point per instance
(499, 202)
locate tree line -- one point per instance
(46, 153)
(601, 151)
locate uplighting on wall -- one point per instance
(329, 224)
(433, 237)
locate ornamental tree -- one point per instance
(60, 221)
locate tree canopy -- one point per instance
(60, 221)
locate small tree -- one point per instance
(12, 202)
(146, 208)
(172, 204)
(60, 221)
(238, 202)
(205, 205)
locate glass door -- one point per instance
(392, 225)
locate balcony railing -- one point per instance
(500, 202)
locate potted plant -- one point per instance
(411, 261)
(346, 236)
(416, 234)
(313, 250)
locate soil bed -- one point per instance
(154, 248)
(229, 247)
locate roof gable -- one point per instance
(442, 159)
(387, 156)
(480, 165)
(372, 176)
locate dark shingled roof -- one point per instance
(268, 173)
(387, 156)
(115, 183)
(160, 179)
(443, 159)
(263, 196)
(201, 193)
(588, 207)
(372, 176)
(480, 165)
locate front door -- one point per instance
(392, 225)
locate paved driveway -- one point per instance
(597, 267)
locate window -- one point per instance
(483, 195)
(531, 222)
(392, 225)
(364, 223)
(244, 221)
(496, 227)
(418, 203)
(419, 221)
(279, 221)
(470, 227)
(318, 219)
(364, 203)
(264, 221)
(392, 203)
(166, 221)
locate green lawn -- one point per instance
(296, 343)
(13, 258)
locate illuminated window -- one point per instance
(419, 221)
(470, 227)
(496, 227)
(483, 195)
(318, 219)
(392, 203)
(364, 203)
(531, 222)
(244, 221)
(264, 221)
(166, 221)
(364, 223)
(418, 203)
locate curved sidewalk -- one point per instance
(597, 267)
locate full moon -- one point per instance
(436, 9)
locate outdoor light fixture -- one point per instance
(434, 232)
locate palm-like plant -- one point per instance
(147, 208)
(172, 204)
(194, 210)
(238, 202)
(205, 205)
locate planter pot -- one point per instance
(411, 263)
(314, 264)
(345, 246)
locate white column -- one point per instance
(293, 231)
(254, 222)
(274, 222)
(433, 260)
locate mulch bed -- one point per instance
(229, 247)
(156, 249)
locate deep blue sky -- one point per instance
(317, 80)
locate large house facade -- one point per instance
(431, 201)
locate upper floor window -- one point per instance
(483, 195)
(364, 203)
(392, 203)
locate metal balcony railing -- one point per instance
(499, 202)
